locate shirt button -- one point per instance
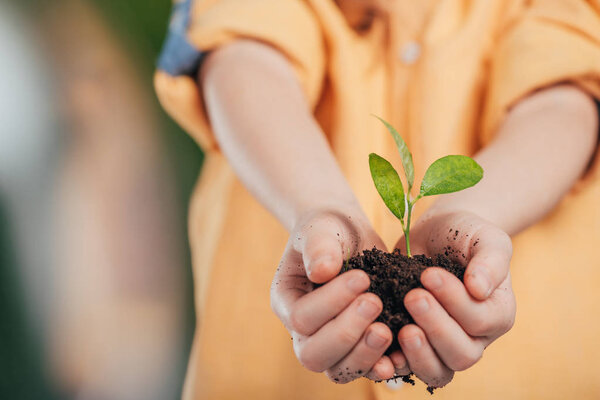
(410, 52)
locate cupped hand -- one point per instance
(455, 322)
(332, 325)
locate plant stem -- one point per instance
(407, 229)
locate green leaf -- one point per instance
(388, 184)
(407, 161)
(450, 174)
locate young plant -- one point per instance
(446, 175)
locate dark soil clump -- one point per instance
(392, 276)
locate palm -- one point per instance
(455, 235)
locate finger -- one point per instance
(400, 363)
(316, 308)
(322, 248)
(366, 355)
(421, 357)
(335, 339)
(490, 318)
(289, 284)
(382, 370)
(491, 251)
(455, 348)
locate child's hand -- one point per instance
(332, 325)
(456, 322)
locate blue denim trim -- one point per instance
(178, 56)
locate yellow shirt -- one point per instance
(444, 73)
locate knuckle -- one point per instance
(466, 360)
(508, 323)
(436, 332)
(308, 359)
(278, 307)
(347, 338)
(487, 328)
(505, 242)
(481, 327)
(298, 321)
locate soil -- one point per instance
(392, 276)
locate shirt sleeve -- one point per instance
(290, 26)
(547, 42)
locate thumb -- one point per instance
(491, 251)
(321, 243)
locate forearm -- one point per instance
(542, 148)
(266, 130)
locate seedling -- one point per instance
(346, 266)
(446, 175)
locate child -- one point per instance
(289, 87)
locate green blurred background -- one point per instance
(140, 27)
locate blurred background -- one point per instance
(95, 282)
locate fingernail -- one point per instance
(368, 309)
(358, 283)
(412, 343)
(399, 362)
(433, 281)
(481, 281)
(418, 307)
(400, 370)
(374, 340)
